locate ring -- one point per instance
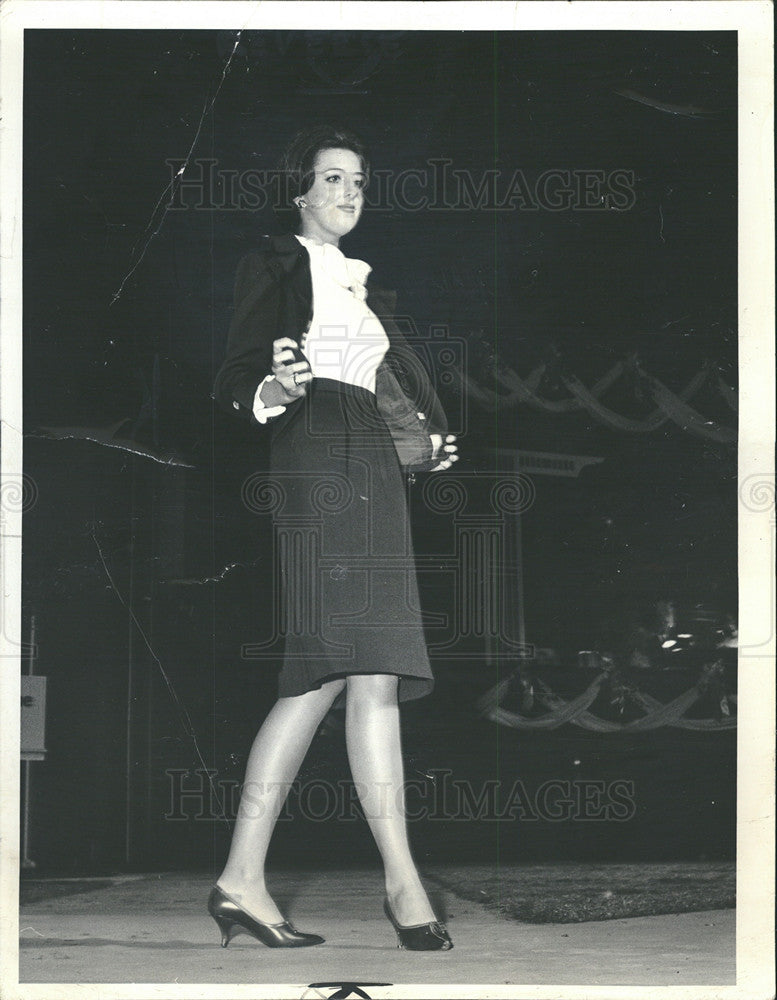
(295, 378)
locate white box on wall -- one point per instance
(33, 723)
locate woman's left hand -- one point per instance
(450, 448)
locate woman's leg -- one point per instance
(276, 756)
(373, 739)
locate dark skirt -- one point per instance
(348, 589)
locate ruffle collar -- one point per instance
(350, 272)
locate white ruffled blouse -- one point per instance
(345, 340)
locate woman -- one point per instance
(314, 356)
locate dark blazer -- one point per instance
(273, 299)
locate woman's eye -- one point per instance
(333, 177)
(361, 184)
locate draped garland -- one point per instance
(576, 711)
(669, 406)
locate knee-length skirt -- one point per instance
(347, 583)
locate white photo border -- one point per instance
(752, 19)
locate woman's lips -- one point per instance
(347, 208)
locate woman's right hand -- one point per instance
(283, 352)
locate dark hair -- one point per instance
(297, 163)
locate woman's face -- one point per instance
(334, 202)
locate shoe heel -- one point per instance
(419, 937)
(390, 915)
(232, 919)
(228, 929)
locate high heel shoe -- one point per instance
(232, 920)
(419, 937)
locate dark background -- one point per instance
(144, 570)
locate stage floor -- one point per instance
(155, 929)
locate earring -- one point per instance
(300, 203)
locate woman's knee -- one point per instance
(329, 690)
(323, 694)
(380, 688)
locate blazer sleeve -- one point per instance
(404, 390)
(414, 380)
(248, 360)
(408, 371)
